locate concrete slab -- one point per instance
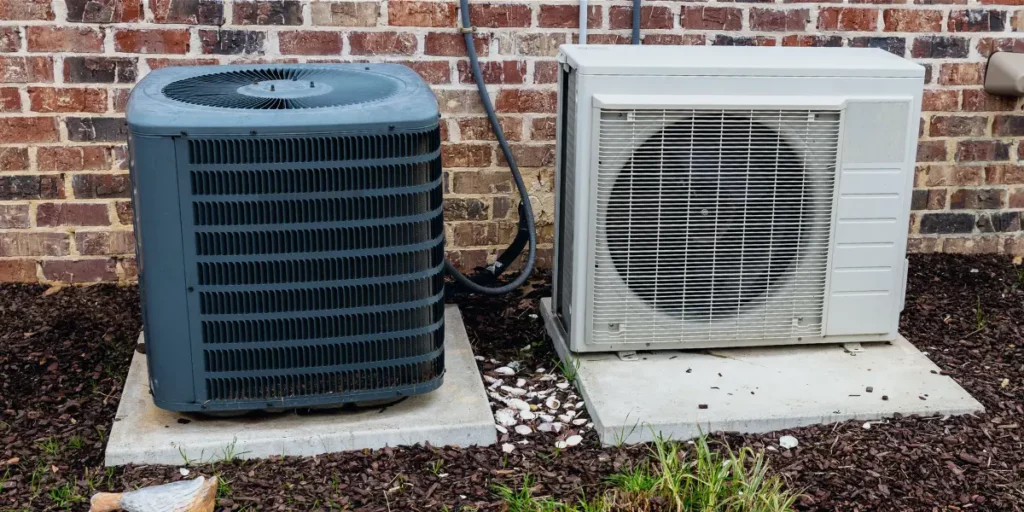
(754, 390)
(456, 414)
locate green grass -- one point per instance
(701, 480)
(980, 318)
(66, 495)
(570, 369)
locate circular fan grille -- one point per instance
(706, 215)
(282, 88)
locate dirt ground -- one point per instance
(64, 355)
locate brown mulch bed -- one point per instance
(64, 355)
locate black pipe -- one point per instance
(636, 21)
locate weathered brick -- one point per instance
(151, 41)
(1001, 2)
(847, 18)
(568, 16)
(80, 70)
(946, 223)
(119, 99)
(530, 155)
(500, 15)
(13, 159)
(124, 212)
(988, 45)
(345, 14)
(28, 129)
(97, 129)
(971, 245)
(812, 41)
(67, 99)
(1002, 222)
(104, 11)
(159, 63)
(468, 259)
(543, 128)
(404, 13)
(675, 39)
(777, 20)
(1016, 198)
(604, 39)
(931, 151)
(538, 45)
(1005, 126)
(928, 199)
(940, 100)
(14, 216)
(957, 126)
(1004, 174)
(940, 47)
(894, 45)
(72, 214)
(268, 12)
(378, 43)
(72, 158)
(99, 186)
(27, 243)
(10, 99)
(458, 208)
(912, 20)
(26, 10)
(458, 101)
(977, 100)
(80, 271)
(432, 71)
(26, 69)
(949, 175)
(546, 72)
(651, 17)
(724, 40)
(19, 187)
(229, 42)
(501, 206)
(711, 18)
(482, 182)
(64, 39)
(191, 12)
(453, 44)
(10, 39)
(103, 243)
(962, 73)
(469, 234)
(976, 20)
(982, 150)
(977, 199)
(466, 155)
(495, 72)
(526, 100)
(18, 271)
(305, 42)
(479, 128)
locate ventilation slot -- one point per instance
(314, 210)
(312, 149)
(314, 356)
(299, 181)
(317, 240)
(288, 386)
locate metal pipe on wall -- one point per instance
(636, 21)
(583, 21)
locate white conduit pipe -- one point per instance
(583, 21)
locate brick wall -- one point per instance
(67, 66)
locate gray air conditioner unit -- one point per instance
(289, 234)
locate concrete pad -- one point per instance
(456, 414)
(753, 390)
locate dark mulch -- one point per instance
(63, 358)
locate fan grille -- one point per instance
(718, 223)
(278, 88)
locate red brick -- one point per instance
(482, 182)
(191, 12)
(931, 151)
(13, 159)
(982, 150)
(305, 42)
(724, 40)
(151, 41)
(14, 216)
(1008, 126)
(546, 71)
(453, 45)
(28, 129)
(52, 99)
(973, 245)
(949, 175)
(812, 41)
(711, 18)
(469, 234)
(916, 20)
(90, 186)
(846, 18)
(466, 155)
(500, 15)
(432, 71)
(26, 69)
(421, 14)
(878, 2)
(526, 101)
(568, 16)
(378, 43)
(777, 20)
(651, 17)
(26, 10)
(495, 72)
(530, 155)
(940, 100)
(104, 11)
(976, 20)
(80, 271)
(72, 214)
(10, 39)
(103, 243)
(479, 128)
(458, 208)
(1016, 198)
(71, 158)
(543, 128)
(24, 243)
(124, 212)
(345, 14)
(604, 39)
(972, 73)
(675, 39)
(159, 63)
(64, 39)
(10, 99)
(1000, 2)
(119, 97)
(958, 126)
(267, 12)
(18, 271)
(1004, 174)
(459, 101)
(977, 100)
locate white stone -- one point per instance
(574, 440)
(456, 414)
(491, 380)
(562, 385)
(527, 415)
(508, 447)
(548, 377)
(520, 383)
(550, 427)
(515, 365)
(793, 387)
(552, 403)
(565, 418)
(479, 358)
(788, 442)
(519, 405)
(183, 471)
(540, 370)
(523, 430)
(513, 391)
(500, 428)
(867, 426)
(579, 421)
(580, 404)
(504, 370)
(547, 418)
(561, 445)
(505, 417)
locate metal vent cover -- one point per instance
(713, 224)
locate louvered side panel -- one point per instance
(566, 199)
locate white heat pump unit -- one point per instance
(732, 196)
